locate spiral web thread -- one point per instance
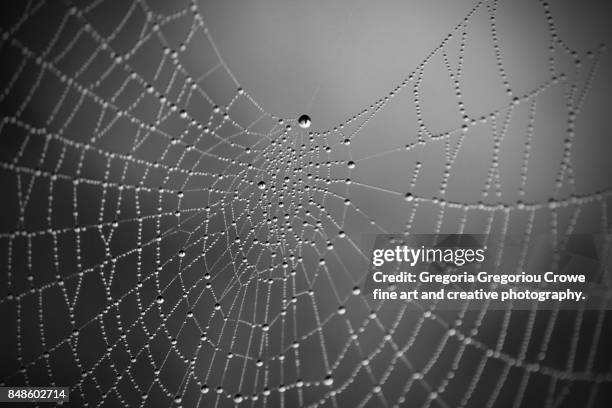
(191, 248)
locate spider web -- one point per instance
(167, 241)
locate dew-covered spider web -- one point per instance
(167, 241)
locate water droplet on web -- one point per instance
(160, 300)
(304, 121)
(329, 380)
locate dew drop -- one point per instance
(160, 300)
(304, 121)
(261, 185)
